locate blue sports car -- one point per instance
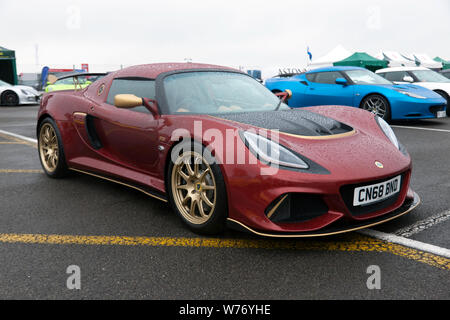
(361, 88)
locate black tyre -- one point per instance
(196, 188)
(9, 98)
(378, 105)
(51, 150)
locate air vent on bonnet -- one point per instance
(298, 122)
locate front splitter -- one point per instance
(335, 228)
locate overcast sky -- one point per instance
(253, 34)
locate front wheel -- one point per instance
(196, 188)
(378, 105)
(51, 151)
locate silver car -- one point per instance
(15, 95)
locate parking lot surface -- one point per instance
(128, 245)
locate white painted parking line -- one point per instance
(423, 224)
(421, 128)
(425, 247)
(28, 124)
(18, 136)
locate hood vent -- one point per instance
(298, 122)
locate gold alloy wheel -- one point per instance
(193, 187)
(48, 147)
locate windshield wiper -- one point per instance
(278, 105)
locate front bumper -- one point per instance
(412, 201)
(301, 203)
(416, 109)
(29, 99)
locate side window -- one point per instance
(140, 87)
(396, 75)
(327, 77)
(311, 76)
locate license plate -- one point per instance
(376, 192)
(441, 114)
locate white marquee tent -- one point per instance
(425, 61)
(337, 54)
(395, 59)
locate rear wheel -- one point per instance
(378, 105)
(10, 98)
(196, 189)
(51, 151)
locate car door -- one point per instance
(127, 136)
(323, 90)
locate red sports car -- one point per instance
(222, 149)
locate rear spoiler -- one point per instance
(74, 75)
(53, 79)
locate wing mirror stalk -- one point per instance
(152, 106)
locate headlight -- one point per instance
(410, 94)
(386, 128)
(271, 152)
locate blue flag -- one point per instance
(309, 53)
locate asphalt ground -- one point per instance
(130, 246)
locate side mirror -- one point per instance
(341, 81)
(127, 101)
(285, 95)
(408, 79)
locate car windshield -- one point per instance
(4, 84)
(216, 92)
(359, 76)
(429, 76)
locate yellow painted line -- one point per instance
(354, 243)
(20, 171)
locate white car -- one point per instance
(15, 95)
(419, 76)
